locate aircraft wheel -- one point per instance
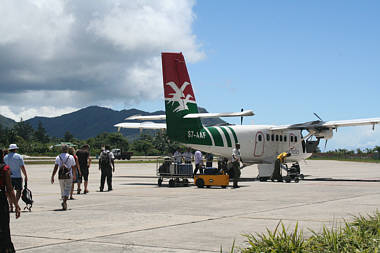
(296, 180)
(171, 183)
(302, 176)
(288, 179)
(159, 182)
(224, 186)
(200, 183)
(186, 182)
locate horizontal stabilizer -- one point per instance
(150, 117)
(217, 115)
(144, 125)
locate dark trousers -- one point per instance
(237, 172)
(198, 167)
(277, 171)
(6, 244)
(106, 173)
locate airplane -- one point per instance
(259, 144)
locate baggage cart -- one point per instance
(212, 177)
(177, 174)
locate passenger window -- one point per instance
(272, 137)
(285, 138)
(295, 138)
(280, 137)
(260, 137)
(268, 137)
(291, 138)
(276, 137)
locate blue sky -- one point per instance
(282, 59)
(287, 59)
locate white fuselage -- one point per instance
(259, 144)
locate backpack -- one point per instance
(64, 172)
(26, 196)
(104, 160)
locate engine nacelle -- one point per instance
(324, 134)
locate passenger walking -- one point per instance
(6, 244)
(107, 167)
(16, 165)
(78, 172)
(198, 159)
(84, 164)
(66, 173)
(236, 158)
(187, 156)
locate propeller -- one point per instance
(241, 118)
(316, 115)
(325, 145)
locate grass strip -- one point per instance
(345, 159)
(362, 234)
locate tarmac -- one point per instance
(138, 216)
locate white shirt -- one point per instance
(67, 159)
(177, 157)
(198, 157)
(235, 155)
(187, 156)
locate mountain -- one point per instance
(6, 122)
(93, 120)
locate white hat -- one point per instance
(12, 146)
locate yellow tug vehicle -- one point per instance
(212, 177)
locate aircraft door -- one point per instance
(259, 144)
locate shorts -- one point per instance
(65, 185)
(84, 171)
(16, 183)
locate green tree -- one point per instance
(24, 130)
(68, 136)
(40, 134)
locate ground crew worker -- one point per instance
(277, 166)
(236, 164)
(187, 156)
(177, 157)
(198, 159)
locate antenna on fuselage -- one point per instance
(241, 118)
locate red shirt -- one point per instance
(3, 170)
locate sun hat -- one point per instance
(12, 146)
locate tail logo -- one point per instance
(179, 96)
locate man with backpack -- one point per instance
(16, 165)
(66, 166)
(107, 167)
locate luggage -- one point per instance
(27, 197)
(184, 169)
(211, 171)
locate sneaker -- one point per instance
(78, 191)
(101, 190)
(64, 206)
(85, 192)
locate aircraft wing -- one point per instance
(330, 124)
(144, 125)
(150, 117)
(217, 115)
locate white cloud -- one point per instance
(27, 112)
(68, 54)
(352, 138)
